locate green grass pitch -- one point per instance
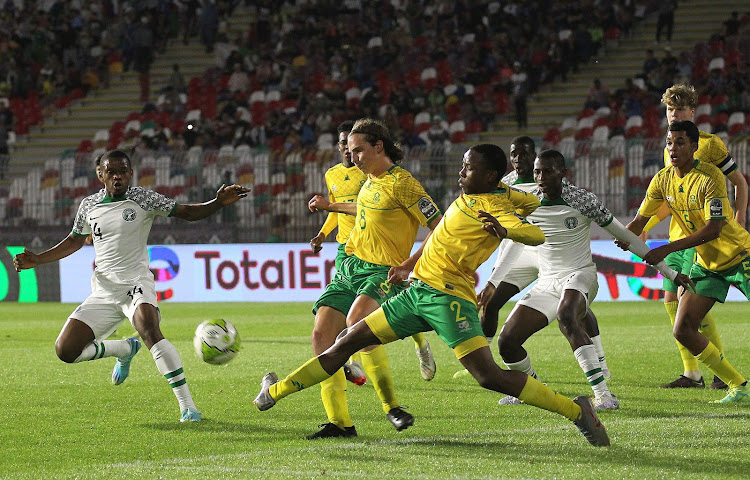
(62, 421)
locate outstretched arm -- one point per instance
(318, 202)
(626, 238)
(224, 196)
(28, 259)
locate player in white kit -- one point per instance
(567, 280)
(119, 219)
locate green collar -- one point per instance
(557, 201)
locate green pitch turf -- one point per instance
(60, 421)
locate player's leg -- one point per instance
(377, 366)
(329, 322)
(591, 325)
(95, 319)
(427, 365)
(691, 311)
(317, 368)
(489, 319)
(580, 289)
(532, 392)
(146, 319)
(691, 377)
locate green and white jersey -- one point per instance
(119, 228)
(566, 223)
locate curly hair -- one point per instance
(679, 96)
(375, 130)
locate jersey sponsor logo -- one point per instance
(715, 207)
(427, 208)
(571, 222)
(128, 214)
(463, 326)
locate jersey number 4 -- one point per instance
(136, 290)
(96, 231)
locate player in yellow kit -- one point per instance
(696, 194)
(390, 207)
(443, 296)
(681, 101)
(344, 180)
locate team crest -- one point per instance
(472, 202)
(128, 214)
(376, 197)
(571, 222)
(693, 199)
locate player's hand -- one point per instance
(228, 195)
(318, 202)
(685, 282)
(317, 242)
(622, 244)
(24, 260)
(656, 255)
(485, 296)
(491, 225)
(398, 275)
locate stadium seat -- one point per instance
(273, 100)
(736, 123)
(326, 141)
(422, 122)
(633, 126)
(568, 127)
(353, 96)
(601, 133)
(406, 121)
(428, 77)
(475, 126)
(457, 130)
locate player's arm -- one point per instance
(524, 203)
(319, 202)
(28, 259)
(522, 232)
(710, 231)
(740, 196)
(331, 222)
(400, 273)
(663, 213)
(198, 211)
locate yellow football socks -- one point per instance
(378, 370)
(708, 328)
(333, 393)
(720, 366)
(305, 376)
(689, 363)
(418, 339)
(537, 394)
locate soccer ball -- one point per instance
(216, 341)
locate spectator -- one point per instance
(650, 63)
(437, 134)
(519, 89)
(598, 95)
(665, 19)
(238, 81)
(732, 25)
(209, 24)
(143, 39)
(176, 80)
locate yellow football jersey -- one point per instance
(699, 196)
(390, 209)
(343, 185)
(459, 244)
(711, 149)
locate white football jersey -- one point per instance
(120, 228)
(566, 223)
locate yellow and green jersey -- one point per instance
(699, 196)
(711, 149)
(343, 185)
(459, 244)
(390, 209)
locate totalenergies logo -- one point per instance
(165, 265)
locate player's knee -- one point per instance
(65, 354)
(507, 344)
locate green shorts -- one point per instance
(340, 256)
(356, 277)
(421, 308)
(681, 262)
(716, 284)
